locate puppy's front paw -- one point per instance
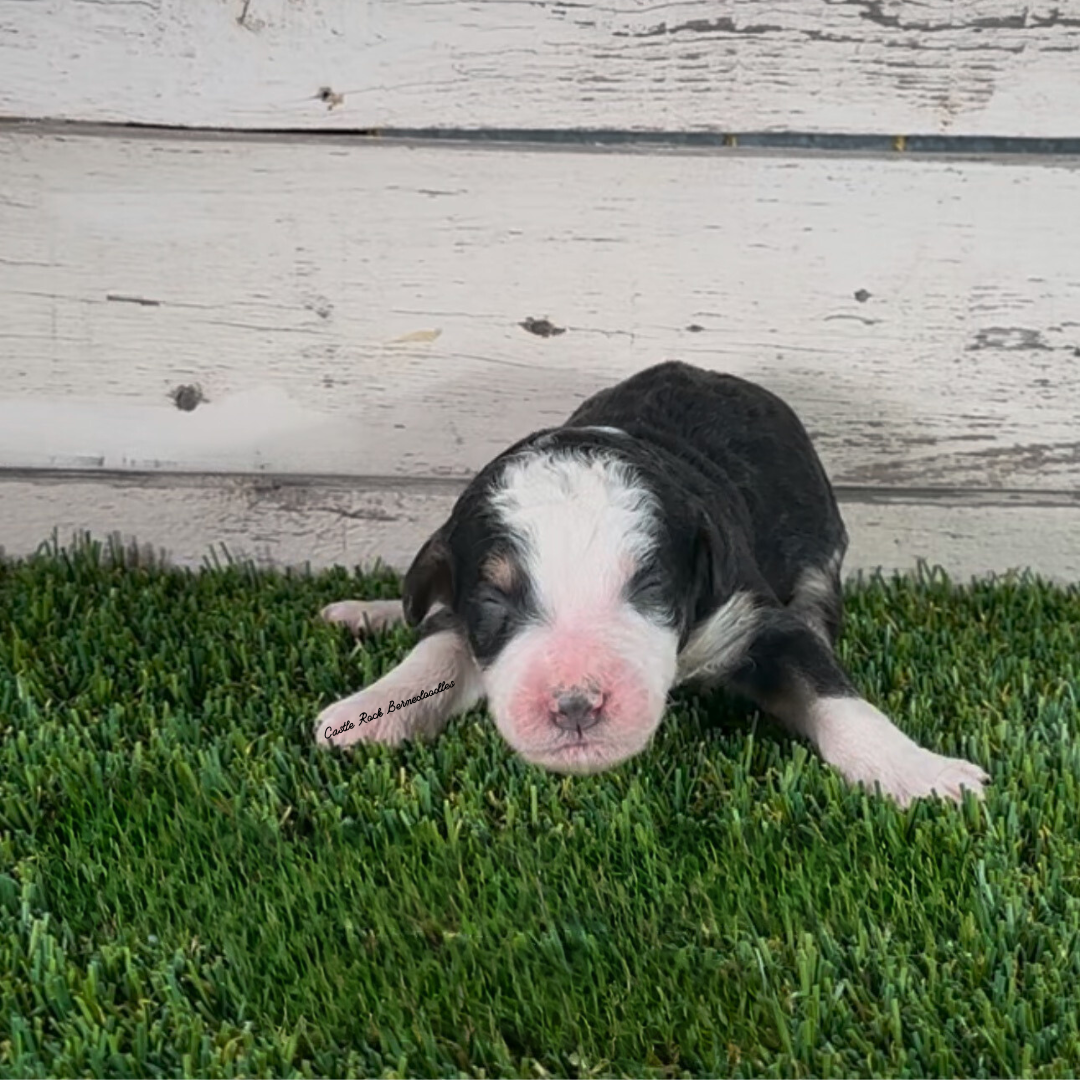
(364, 617)
(907, 771)
(925, 774)
(868, 748)
(359, 718)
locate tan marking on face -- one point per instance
(499, 570)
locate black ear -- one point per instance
(430, 579)
(710, 557)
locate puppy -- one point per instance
(678, 528)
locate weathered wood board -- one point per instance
(358, 309)
(326, 521)
(984, 67)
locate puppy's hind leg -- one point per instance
(438, 679)
(790, 672)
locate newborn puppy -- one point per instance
(679, 527)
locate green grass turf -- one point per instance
(188, 886)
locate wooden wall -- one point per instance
(300, 340)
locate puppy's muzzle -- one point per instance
(577, 709)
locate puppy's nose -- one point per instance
(576, 710)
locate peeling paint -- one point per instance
(874, 11)
(187, 398)
(860, 67)
(853, 317)
(541, 327)
(142, 301)
(332, 99)
(994, 466)
(354, 515)
(701, 26)
(1008, 337)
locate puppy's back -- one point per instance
(739, 434)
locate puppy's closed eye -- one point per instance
(497, 613)
(491, 598)
(495, 603)
(648, 591)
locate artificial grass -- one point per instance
(188, 886)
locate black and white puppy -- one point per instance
(679, 527)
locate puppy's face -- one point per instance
(575, 593)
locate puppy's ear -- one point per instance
(711, 556)
(430, 579)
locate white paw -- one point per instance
(360, 718)
(364, 616)
(867, 748)
(921, 774)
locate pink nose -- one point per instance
(577, 709)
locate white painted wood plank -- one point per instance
(326, 522)
(357, 309)
(967, 539)
(983, 67)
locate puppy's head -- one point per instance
(577, 576)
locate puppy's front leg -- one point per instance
(791, 673)
(442, 659)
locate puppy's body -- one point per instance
(679, 527)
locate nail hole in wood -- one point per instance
(187, 398)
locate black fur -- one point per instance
(744, 454)
(746, 507)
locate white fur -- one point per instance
(865, 746)
(604, 428)
(584, 522)
(720, 643)
(584, 525)
(364, 616)
(443, 657)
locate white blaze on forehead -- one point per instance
(584, 522)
